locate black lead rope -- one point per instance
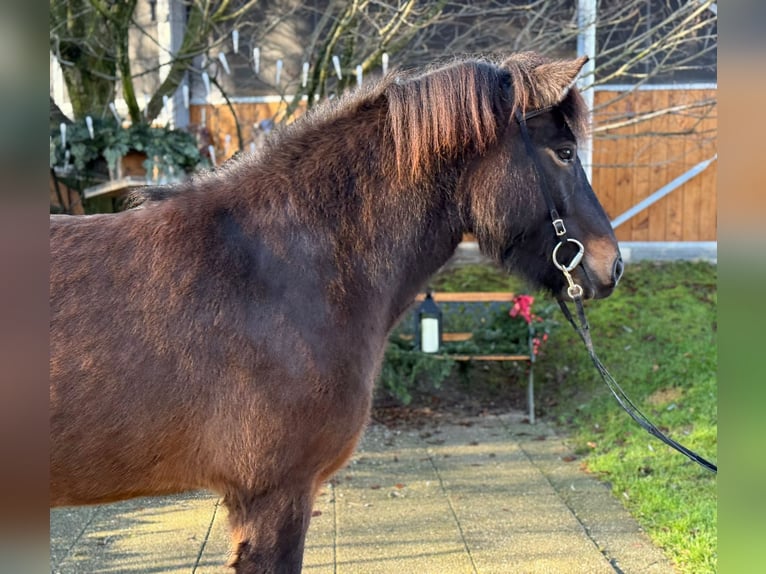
(583, 329)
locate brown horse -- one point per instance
(226, 333)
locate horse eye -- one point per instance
(565, 154)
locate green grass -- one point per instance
(657, 336)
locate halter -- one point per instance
(575, 292)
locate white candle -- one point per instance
(257, 60)
(203, 116)
(165, 101)
(62, 129)
(185, 92)
(429, 334)
(336, 65)
(385, 63)
(114, 112)
(211, 150)
(224, 63)
(278, 73)
(235, 40)
(89, 123)
(252, 148)
(206, 81)
(359, 75)
(226, 144)
(305, 76)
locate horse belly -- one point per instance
(101, 454)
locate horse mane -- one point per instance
(444, 112)
(139, 196)
(431, 117)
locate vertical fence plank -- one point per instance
(674, 202)
(658, 168)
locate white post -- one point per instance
(586, 46)
(170, 31)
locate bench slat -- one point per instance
(446, 337)
(471, 297)
(483, 357)
(488, 357)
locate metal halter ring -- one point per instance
(574, 290)
(575, 260)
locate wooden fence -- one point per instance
(631, 159)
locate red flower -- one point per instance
(522, 305)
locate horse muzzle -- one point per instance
(591, 270)
(596, 281)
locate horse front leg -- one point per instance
(269, 530)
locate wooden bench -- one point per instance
(445, 299)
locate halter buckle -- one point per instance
(558, 225)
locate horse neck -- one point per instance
(385, 238)
(409, 245)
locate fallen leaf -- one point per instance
(375, 487)
(569, 458)
(399, 485)
(316, 513)
(591, 444)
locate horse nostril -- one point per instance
(617, 270)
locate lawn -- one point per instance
(657, 336)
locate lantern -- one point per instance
(428, 326)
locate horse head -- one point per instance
(508, 210)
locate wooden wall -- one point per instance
(631, 160)
(220, 122)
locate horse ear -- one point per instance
(553, 80)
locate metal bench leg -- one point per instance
(531, 393)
